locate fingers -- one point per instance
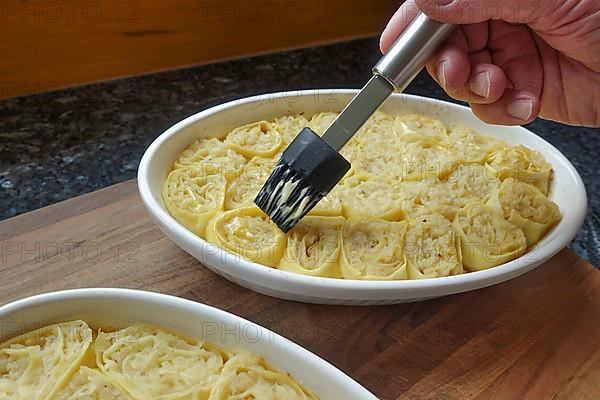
(450, 67)
(401, 19)
(486, 84)
(481, 57)
(514, 107)
(462, 78)
(514, 50)
(474, 65)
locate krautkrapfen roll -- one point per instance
(289, 126)
(471, 146)
(313, 247)
(467, 183)
(426, 158)
(34, 365)
(369, 159)
(525, 206)
(373, 249)
(321, 121)
(211, 156)
(248, 232)
(416, 127)
(193, 197)
(260, 139)
(245, 185)
(329, 206)
(370, 196)
(522, 164)
(376, 129)
(91, 384)
(247, 376)
(153, 363)
(487, 239)
(432, 248)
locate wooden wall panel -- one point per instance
(47, 44)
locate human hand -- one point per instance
(513, 60)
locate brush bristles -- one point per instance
(286, 197)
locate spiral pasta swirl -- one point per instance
(35, 364)
(193, 197)
(487, 239)
(373, 249)
(248, 232)
(249, 377)
(432, 248)
(313, 247)
(153, 363)
(525, 206)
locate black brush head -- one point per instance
(308, 169)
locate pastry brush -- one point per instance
(311, 165)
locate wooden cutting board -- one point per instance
(535, 337)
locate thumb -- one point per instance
(473, 11)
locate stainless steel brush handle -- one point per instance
(413, 48)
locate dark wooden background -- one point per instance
(49, 44)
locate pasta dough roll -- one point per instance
(257, 139)
(248, 232)
(371, 160)
(432, 248)
(350, 153)
(313, 247)
(523, 164)
(244, 187)
(415, 127)
(90, 384)
(487, 239)
(370, 196)
(249, 377)
(425, 158)
(380, 126)
(329, 206)
(289, 126)
(34, 365)
(152, 363)
(373, 249)
(211, 156)
(526, 207)
(471, 146)
(193, 197)
(423, 197)
(321, 121)
(467, 183)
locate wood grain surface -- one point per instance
(49, 44)
(535, 337)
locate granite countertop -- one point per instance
(58, 145)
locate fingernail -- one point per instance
(521, 109)
(441, 73)
(480, 84)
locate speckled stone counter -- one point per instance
(62, 144)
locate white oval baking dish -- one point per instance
(567, 191)
(118, 308)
